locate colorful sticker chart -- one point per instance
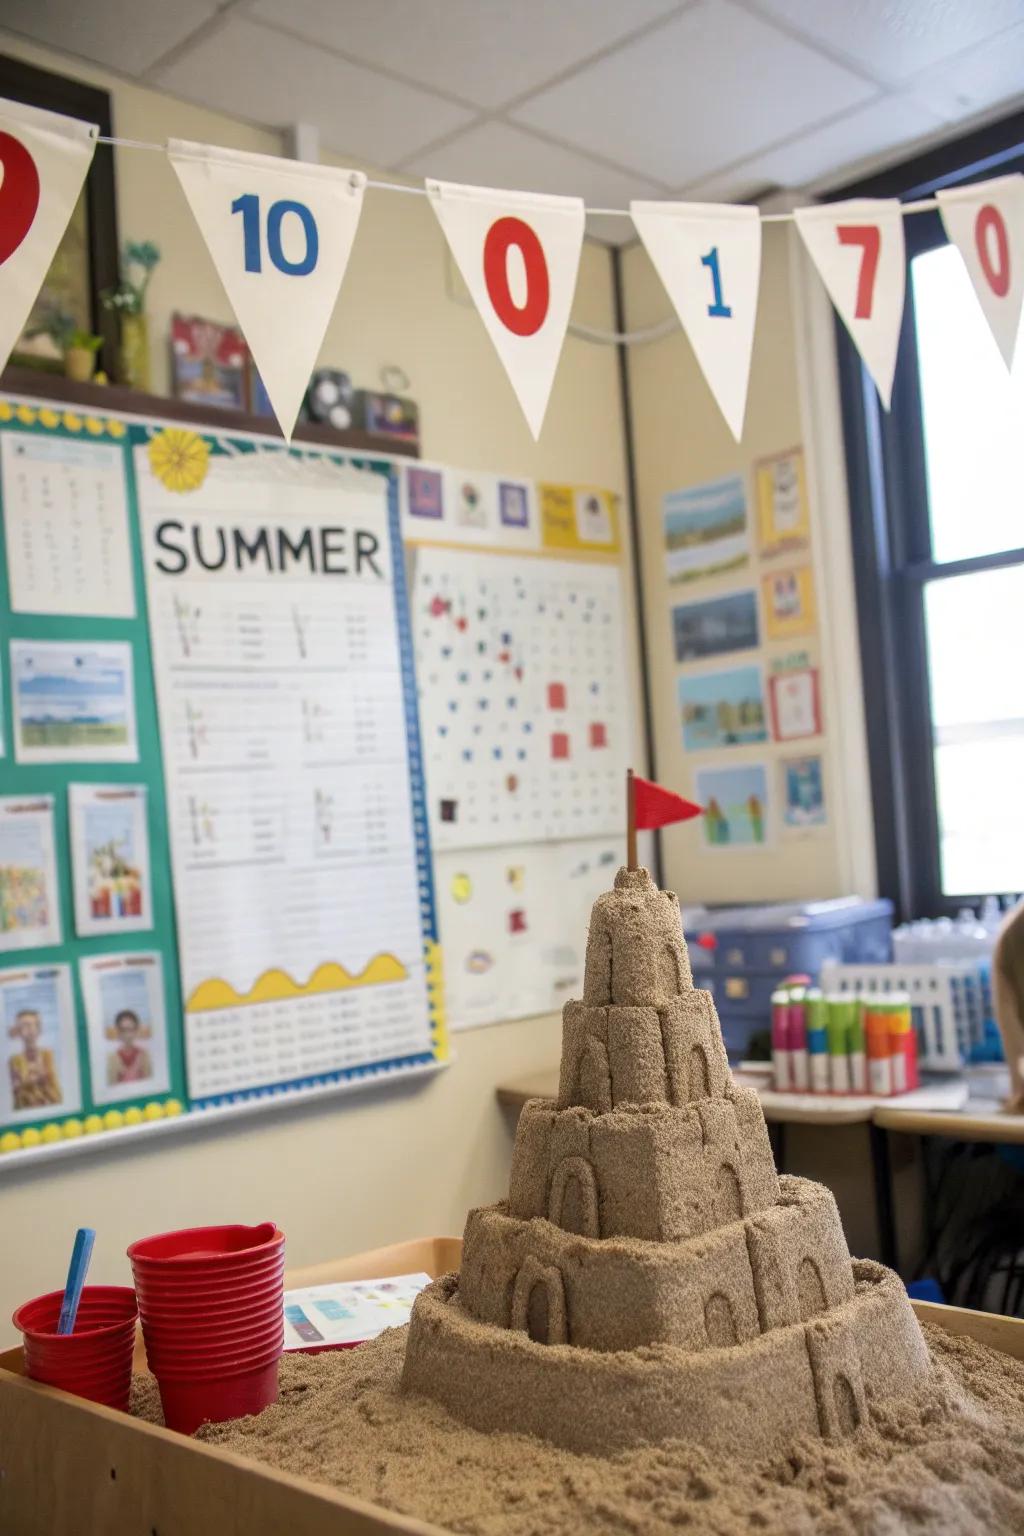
(287, 717)
(523, 701)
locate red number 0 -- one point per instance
(997, 274)
(19, 194)
(869, 238)
(528, 318)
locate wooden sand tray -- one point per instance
(68, 1466)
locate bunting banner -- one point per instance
(44, 159)
(519, 255)
(708, 256)
(858, 249)
(986, 224)
(280, 233)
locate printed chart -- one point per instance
(523, 702)
(301, 864)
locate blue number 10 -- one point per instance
(249, 207)
(711, 262)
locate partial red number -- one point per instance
(869, 238)
(521, 319)
(989, 231)
(19, 194)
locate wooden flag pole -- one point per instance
(630, 821)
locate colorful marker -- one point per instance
(858, 1057)
(798, 1039)
(781, 1059)
(840, 1012)
(876, 1030)
(816, 1015)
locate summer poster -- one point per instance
(789, 607)
(783, 517)
(804, 802)
(73, 703)
(110, 858)
(736, 805)
(706, 529)
(722, 709)
(38, 1050)
(716, 626)
(124, 1011)
(29, 903)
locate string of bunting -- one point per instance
(280, 233)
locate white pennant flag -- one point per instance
(858, 249)
(708, 255)
(519, 253)
(280, 233)
(44, 159)
(986, 224)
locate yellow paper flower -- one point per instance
(94, 426)
(116, 428)
(26, 415)
(72, 421)
(6, 414)
(179, 458)
(48, 418)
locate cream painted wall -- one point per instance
(368, 1168)
(681, 439)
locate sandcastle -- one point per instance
(650, 1276)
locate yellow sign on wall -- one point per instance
(783, 515)
(788, 602)
(579, 517)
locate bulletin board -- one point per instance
(207, 681)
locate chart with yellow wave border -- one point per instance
(274, 985)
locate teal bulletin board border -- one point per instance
(54, 778)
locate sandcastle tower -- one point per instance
(650, 1276)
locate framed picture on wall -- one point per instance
(86, 261)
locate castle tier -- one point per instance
(650, 1276)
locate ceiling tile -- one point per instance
(483, 51)
(893, 39)
(258, 75)
(985, 77)
(125, 35)
(496, 154)
(709, 88)
(824, 156)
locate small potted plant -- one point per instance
(80, 352)
(139, 259)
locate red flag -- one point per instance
(656, 807)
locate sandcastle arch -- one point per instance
(573, 1201)
(538, 1303)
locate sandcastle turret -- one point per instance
(650, 1275)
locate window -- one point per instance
(937, 507)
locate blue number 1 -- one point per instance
(711, 262)
(249, 207)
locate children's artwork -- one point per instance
(110, 858)
(38, 1049)
(29, 899)
(804, 797)
(706, 529)
(513, 925)
(716, 626)
(523, 709)
(124, 1012)
(73, 703)
(209, 362)
(467, 506)
(65, 505)
(795, 704)
(736, 805)
(722, 709)
(789, 607)
(579, 517)
(783, 516)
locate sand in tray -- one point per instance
(650, 1277)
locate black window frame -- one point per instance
(891, 541)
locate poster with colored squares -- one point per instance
(523, 705)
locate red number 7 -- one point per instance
(869, 238)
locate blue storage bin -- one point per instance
(742, 954)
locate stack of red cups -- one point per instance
(96, 1360)
(212, 1306)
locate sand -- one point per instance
(948, 1459)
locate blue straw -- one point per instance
(77, 1270)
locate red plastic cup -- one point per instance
(96, 1360)
(201, 1368)
(207, 1248)
(202, 1338)
(187, 1404)
(183, 1294)
(174, 1349)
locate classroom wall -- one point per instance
(681, 439)
(378, 1166)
